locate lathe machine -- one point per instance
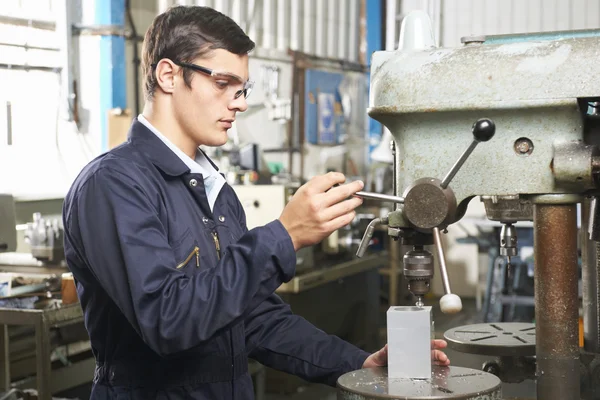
(513, 119)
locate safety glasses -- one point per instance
(225, 81)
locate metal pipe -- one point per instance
(332, 21)
(28, 22)
(9, 132)
(343, 38)
(556, 301)
(283, 25)
(29, 47)
(22, 67)
(353, 39)
(380, 196)
(437, 240)
(391, 37)
(321, 32)
(458, 164)
(135, 59)
(268, 37)
(236, 11)
(309, 27)
(296, 26)
(589, 278)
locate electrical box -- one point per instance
(262, 203)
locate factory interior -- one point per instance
(473, 124)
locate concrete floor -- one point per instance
(469, 315)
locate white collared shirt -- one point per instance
(213, 181)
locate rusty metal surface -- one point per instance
(427, 205)
(498, 339)
(429, 143)
(484, 77)
(572, 164)
(445, 383)
(556, 301)
(507, 208)
(529, 90)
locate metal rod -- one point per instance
(9, 132)
(437, 240)
(589, 278)
(28, 22)
(556, 301)
(366, 239)
(379, 196)
(21, 67)
(458, 164)
(28, 47)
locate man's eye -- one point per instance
(222, 84)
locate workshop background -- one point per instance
(70, 79)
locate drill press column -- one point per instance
(556, 301)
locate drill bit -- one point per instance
(508, 267)
(419, 301)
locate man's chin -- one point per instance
(221, 138)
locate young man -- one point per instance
(176, 292)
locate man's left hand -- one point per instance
(380, 358)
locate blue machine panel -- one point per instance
(324, 120)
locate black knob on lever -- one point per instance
(484, 129)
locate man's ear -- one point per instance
(166, 75)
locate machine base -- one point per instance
(445, 383)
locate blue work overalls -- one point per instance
(176, 297)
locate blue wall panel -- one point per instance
(112, 84)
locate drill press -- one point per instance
(542, 162)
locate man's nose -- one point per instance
(240, 104)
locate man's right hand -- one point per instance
(317, 209)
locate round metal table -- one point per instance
(445, 383)
(504, 339)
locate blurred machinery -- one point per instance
(43, 342)
(8, 234)
(45, 237)
(533, 101)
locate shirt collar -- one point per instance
(200, 165)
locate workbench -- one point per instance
(47, 381)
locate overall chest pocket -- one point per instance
(187, 254)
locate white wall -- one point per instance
(327, 28)
(460, 18)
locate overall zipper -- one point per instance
(217, 245)
(196, 251)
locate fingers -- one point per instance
(320, 184)
(341, 208)
(381, 357)
(439, 344)
(440, 358)
(339, 222)
(339, 193)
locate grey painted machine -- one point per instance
(8, 232)
(513, 119)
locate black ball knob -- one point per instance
(484, 129)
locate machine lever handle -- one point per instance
(366, 239)
(380, 197)
(483, 130)
(449, 303)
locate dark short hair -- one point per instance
(184, 33)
